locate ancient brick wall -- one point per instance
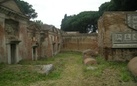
(21, 39)
(14, 44)
(3, 53)
(111, 23)
(79, 42)
(8, 38)
(54, 43)
(25, 46)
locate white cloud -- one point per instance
(53, 11)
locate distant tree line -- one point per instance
(87, 20)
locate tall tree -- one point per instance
(27, 9)
(125, 5)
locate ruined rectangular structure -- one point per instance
(21, 39)
(14, 44)
(117, 35)
(53, 41)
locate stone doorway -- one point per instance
(34, 53)
(13, 53)
(12, 48)
(54, 49)
(58, 47)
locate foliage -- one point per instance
(118, 5)
(104, 7)
(38, 23)
(125, 5)
(27, 9)
(80, 22)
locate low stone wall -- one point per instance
(116, 39)
(79, 42)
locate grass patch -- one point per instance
(22, 74)
(120, 68)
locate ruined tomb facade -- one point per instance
(13, 41)
(117, 35)
(53, 41)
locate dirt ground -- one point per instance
(73, 75)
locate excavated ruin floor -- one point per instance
(69, 71)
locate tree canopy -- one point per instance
(118, 5)
(27, 9)
(80, 22)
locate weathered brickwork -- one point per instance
(79, 42)
(21, 39)
(109, 25)
(12, 30)
(53, 41)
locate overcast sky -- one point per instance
(53, 11)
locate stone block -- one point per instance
(132, 66)
(90, 61)
(86, 56)
(89, 52)
(44, 69)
